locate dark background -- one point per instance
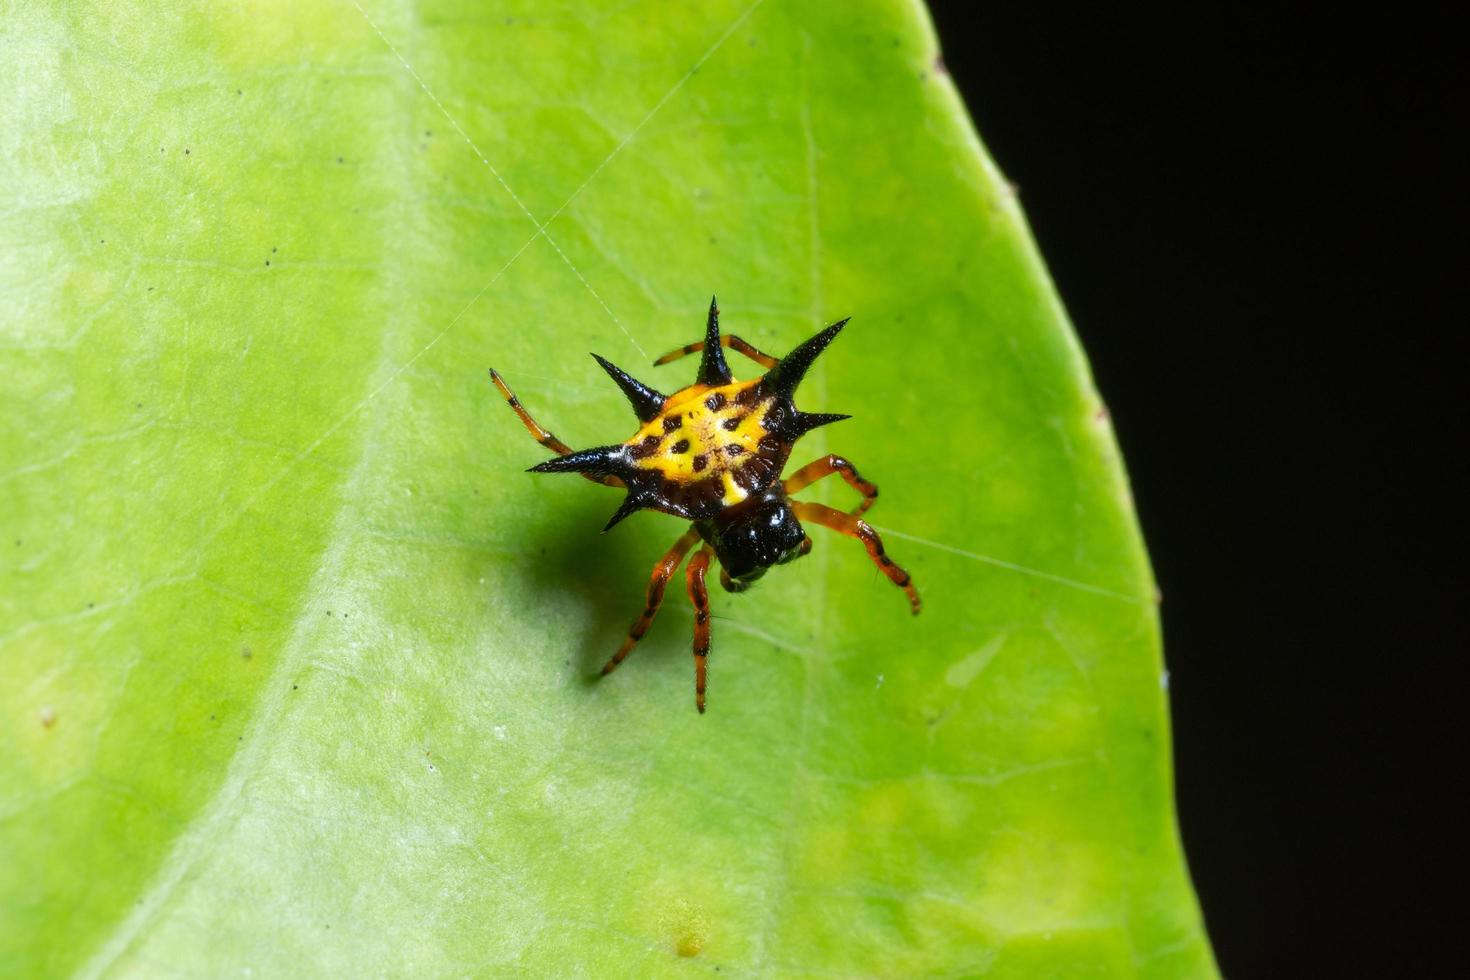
(1255, 222)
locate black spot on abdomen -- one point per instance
(645, 448)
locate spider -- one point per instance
(712, 453)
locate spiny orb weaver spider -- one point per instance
(712, 453)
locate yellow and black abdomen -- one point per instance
(713, 447)
(707, 447)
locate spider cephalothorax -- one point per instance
(712, 453)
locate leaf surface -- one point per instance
(296, 655)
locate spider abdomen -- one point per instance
(711, 447)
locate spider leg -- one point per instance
(699, 595)
(662, 572)
(826, 466)
(726, 340)
(851, 526)
(540, 434)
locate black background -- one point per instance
(1255, 222)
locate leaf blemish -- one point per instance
(691, 934)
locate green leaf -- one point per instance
(296, 654)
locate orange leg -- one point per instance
(726, 340)
(852, 527)
(541, 435)
(662, 572)
(699, 595)
(826, 466)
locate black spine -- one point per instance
(712, 367)
(601, 461)
(805, 422)
(632, 502)
(785, 376)
(646, 402)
